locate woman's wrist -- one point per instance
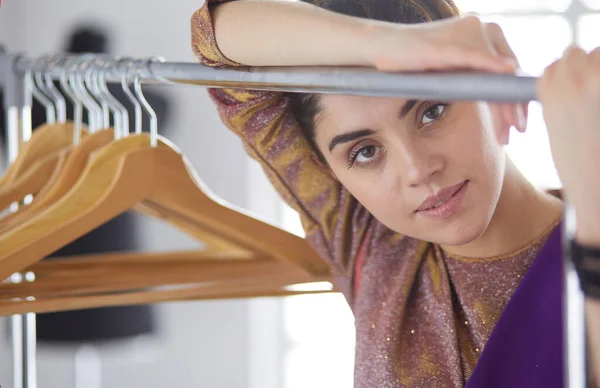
(587, 229)
(588, 235)
(368, 46)
(586, 260)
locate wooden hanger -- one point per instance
(31, 182)
(247, 288)
(62, 180)
(130, 272)
(129, 172)
(45, 140)
(67, 177)
(5, 221)
(36, 165)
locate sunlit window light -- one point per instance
(315, 286)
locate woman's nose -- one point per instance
(419, 164)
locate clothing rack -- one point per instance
(357, 81)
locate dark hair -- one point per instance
(306, 107)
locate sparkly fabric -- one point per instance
(526, 348)
(422, 316)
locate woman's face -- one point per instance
(395, 156)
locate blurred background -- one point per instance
(304, 341)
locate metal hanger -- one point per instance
(44, 83)
(72, 161)
(41, 151)
(146, 170)
(53, 92)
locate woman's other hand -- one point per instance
(570, 95)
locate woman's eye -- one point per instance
(362, 156)
(365, 154)
(433, 113)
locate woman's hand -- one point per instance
(570, 95)
(453, 43)
(464, 43)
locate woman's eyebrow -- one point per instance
(407, 107)
(346, 137)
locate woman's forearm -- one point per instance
(283, 33)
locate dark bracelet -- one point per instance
(587, 264)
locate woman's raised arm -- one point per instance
(284, 33)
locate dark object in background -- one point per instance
(119, 234)
(87, 39)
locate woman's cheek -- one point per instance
(366, 191)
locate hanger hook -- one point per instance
(39, 90)
(59, 101)
(100, 108)
(42, 95)
(77, 80)
(119, 112)
(39, 70)
(114, 64)
(90, 77)
(125, 86)
(37, 93)
(68, 67)
(145, 65)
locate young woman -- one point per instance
(449, 258)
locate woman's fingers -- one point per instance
(488, 49)
(449, 44)
(507, 117)
(595, 56)
(569, 92)
(574, 58)
(497, 39)
(517, 113)
(485, 42)
(574, 68)
(458, 58)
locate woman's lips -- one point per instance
(448, 202)
(442, 196)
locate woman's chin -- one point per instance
(458, 240)
(461, 234)
(456, 234)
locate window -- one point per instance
(588, 30)
(319, 329)
(320, 345)
(592, 4)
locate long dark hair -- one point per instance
(306, 107)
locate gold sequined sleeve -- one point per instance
(334, 222)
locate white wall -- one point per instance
(201, 344)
